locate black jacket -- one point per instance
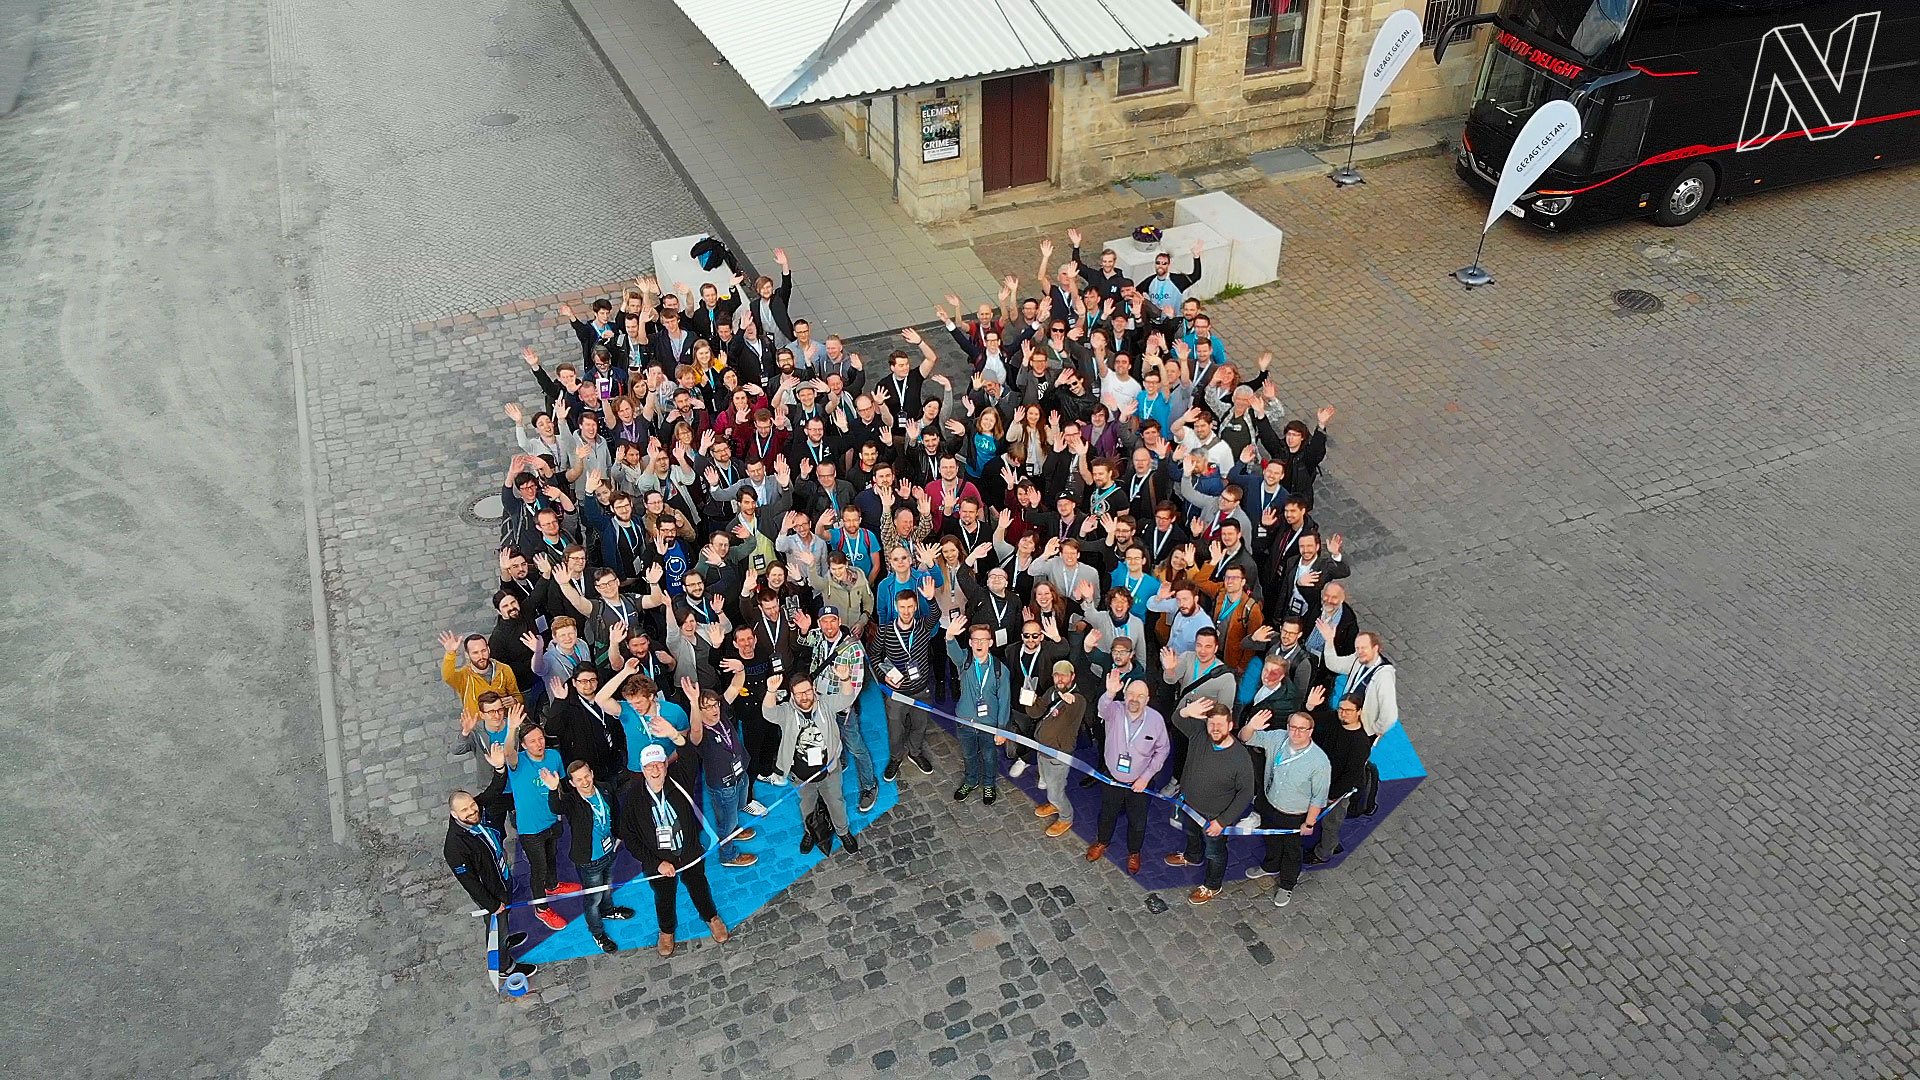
(1282, 590)
(634, 825)
(583, 737)
(782, 293)
(470, 858)
(572, 809)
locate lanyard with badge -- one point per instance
(1133, 728)
(999, 621)
(1029, 687)
(666, 824)
(981, 670)
(602, 823)
(912, 672)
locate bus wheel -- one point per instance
(1689, 196)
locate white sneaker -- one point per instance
(756, 809)
(777, 780)
(1256, 872)
(1251, 821)
(1172, 789)
(1019, 768)
(1282, 897)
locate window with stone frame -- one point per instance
(1155, 69)
(1276, 35)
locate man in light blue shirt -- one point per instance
(1298, 773)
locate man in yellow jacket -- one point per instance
(479, 676)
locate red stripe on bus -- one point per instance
(1661, 74)
(1700, 151)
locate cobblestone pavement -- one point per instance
(1641, 572)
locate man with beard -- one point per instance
(515, 642)
(1134, 750)
(810, 748)
(481, 674)
(1217, 786)
(477, 854)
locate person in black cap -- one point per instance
(477, 854)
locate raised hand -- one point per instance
(1324, 415)
(566, 312)
(1316, 697)
(551, 779)
(1334, 544)
(532, 641)
(532, 358)
(1073, 237)
(911, 335)
(780, 256)
(468, 721)
(449, 640)
(1197, 248)
(514, 414)
(497, 756)
(1262, 635)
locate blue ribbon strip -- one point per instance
(1074, 763)
(792, 793)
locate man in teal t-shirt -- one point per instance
(533, 817)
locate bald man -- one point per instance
(477, 853)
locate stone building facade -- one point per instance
(1271, 73)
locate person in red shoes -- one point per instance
(533, 816)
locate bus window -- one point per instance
(1621, 135)
(1511, 89)
(1588, 27)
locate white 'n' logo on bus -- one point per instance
(1800, 87)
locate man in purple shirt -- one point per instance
(1136, 747)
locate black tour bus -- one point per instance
(1685, 101)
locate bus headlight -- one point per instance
(1551, 207)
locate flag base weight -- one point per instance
(1346, 176)
(1473, 277)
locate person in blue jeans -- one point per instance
(723, 757)
(589, 811)
(1216, 788)
(985, 693)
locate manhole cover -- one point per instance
(499, 119)
(500, 50)
(486, 510)
(1636, 301)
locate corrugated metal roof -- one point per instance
(807, 52)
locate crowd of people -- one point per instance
(720, 526)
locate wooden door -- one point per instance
(1015, 114)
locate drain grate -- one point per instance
(1637, 301)
(809, 127)
(499, 119)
